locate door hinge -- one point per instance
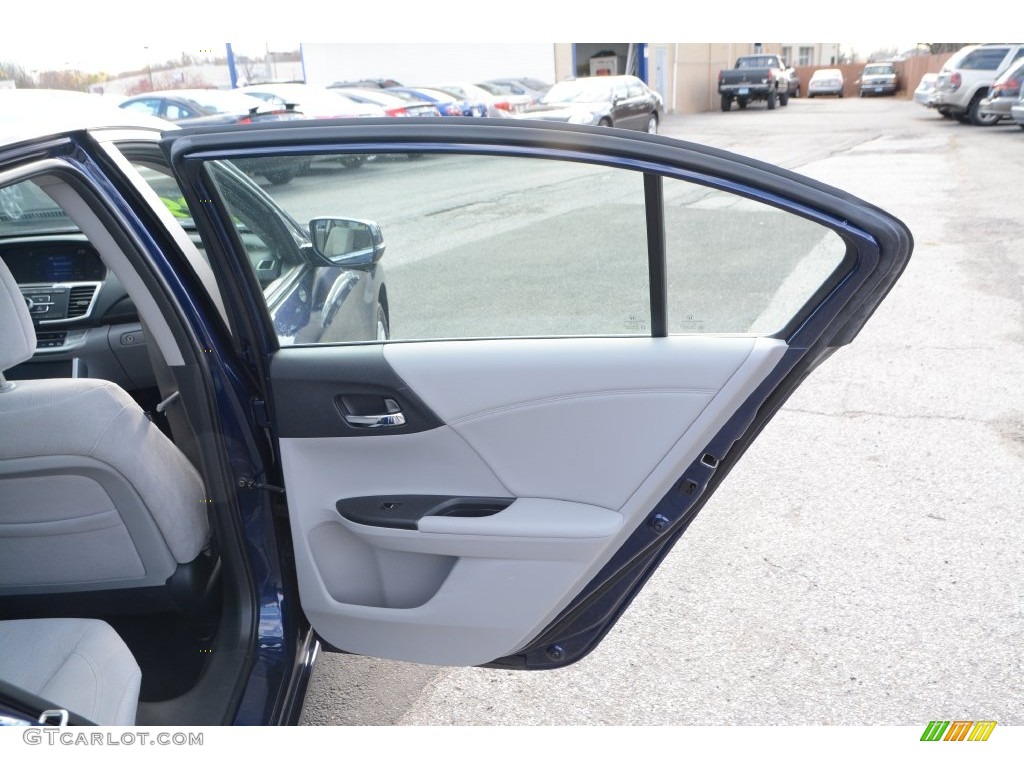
(249, 484)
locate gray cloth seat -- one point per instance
(81, 665)
(93, 496)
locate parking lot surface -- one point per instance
(864, 562)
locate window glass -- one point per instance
(145, 106)
(177, 112)
(984, 58)
(448, 246)
(481, 246)
(739, 266)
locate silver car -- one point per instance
(925, 88)
(1004, 93)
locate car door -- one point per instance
(588, 329)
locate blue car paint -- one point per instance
(278, 622)
(466, 108)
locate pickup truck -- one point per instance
(761, 77)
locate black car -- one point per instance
(207, 477)
(621, 101)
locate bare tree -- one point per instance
(944, 47)
(15, 72)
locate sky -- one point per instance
(94, 36)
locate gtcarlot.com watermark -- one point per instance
(75, 738)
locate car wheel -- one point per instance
(279, 177)
(652, 123)
(784, 98)
(383, 322)
(771, 99)
(810, 95)
(352, 161)
(605, 122)
(975, 116)
(726, 103)
(840, 94)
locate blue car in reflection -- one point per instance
(447, 104)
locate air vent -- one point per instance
(80, 299)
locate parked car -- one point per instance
(392, 104)
(318, 103)
(444, 500)
(924, 89)
(1004, 93)
(878, 79)
(313, 101)
(621, 101)
(384, 82)
(761, 77)
(965, 78)
(1017, 112)
(515, 98)
(498, 104)
(207, 106)
(523, 86)
(446, 104)
(826, 82)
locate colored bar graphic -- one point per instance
(935, 730)
(958, 730)
(982, 730)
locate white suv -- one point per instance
(965, 79)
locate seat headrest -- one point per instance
(17, 336)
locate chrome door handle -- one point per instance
(392, 418)
(379, 420)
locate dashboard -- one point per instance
(85, 323)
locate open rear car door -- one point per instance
(585, 330)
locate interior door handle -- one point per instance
(393, 417)
(377, 420)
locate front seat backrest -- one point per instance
(92, 494)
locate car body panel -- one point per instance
(484, 589)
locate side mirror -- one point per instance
(346, 242)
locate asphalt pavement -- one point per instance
(863, 564)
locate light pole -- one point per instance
(149, 67)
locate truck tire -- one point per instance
(784, 98)
(726, 102)
(771, 99)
